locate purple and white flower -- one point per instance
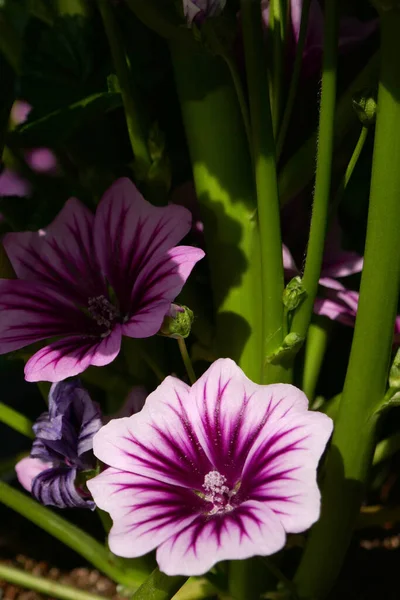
(62, 449)
(197, 11)
(220, 470)
(87, 280)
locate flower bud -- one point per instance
(289, 348)
(294, 293)
(177, 322)
(364, 105)
(394, 375)
(197, 11)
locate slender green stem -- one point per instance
(244, 109)
(159, 587)
(72, 536)
(276, 34)
(131, 103)
(186, 360)
(386, 448)
(299, 170)
(43, 585)
(349, 171)
(222, 173)
(319, 217)
(352, 446)
(317, 341)
(294, 81)
(14, 419)
(266, 185)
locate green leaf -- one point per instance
(58, 126)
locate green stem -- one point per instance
(222, 174)
(353, 440)
(266, 185)
(294, 81)
(244, 109)
(319, 217)
(386, 448)
(349, 171)
(159, 587)
(186, 360)
(14, 419)
(131, 104)
(71, 536)
(43, 585)
(275, 570)
(276, 33)
(147, 357)
(299, 170)
(317, 341)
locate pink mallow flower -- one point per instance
(87, 279)
(335, 301)
(217, 471)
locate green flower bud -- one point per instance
(289, 348)
(177, 322)
(394, 375)
(294, 293)
(364, 105)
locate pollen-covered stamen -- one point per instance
(218, 493)
(102, 311)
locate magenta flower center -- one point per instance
(218, 493)
(103, 312)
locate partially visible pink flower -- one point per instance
(87, 280)
(197, 11)
(337, 302)
(28, 468)
(222, 470)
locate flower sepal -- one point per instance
(294, 293)
(287, 351)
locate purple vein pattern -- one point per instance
(220, 470)
(62, 449)
(89, 279)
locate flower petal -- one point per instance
(159, 441)
(31, 312)
(145, 512)
(71, 356)
(159, 283)
(281, 468)
(56, 487)
(61, 256)
(289, 265)
(129, 231)
(343, 265)
(233, 411)
(27, 469)
(250, 530)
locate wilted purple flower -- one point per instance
(221, 470)
(63, 448)
(337, 303)
(196, 11)
(89, 279)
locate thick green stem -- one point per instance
(294, 81)
(244, 109)
(222, 174)
(14, 419)
(300, 168)
(353, 440)
(43, 585)
(317, 341)
(72, 536)
(159, 587)
(349, 171)
(319, 217)
(266, 184)
(276, 32)
(186, 360)
(131, 104)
